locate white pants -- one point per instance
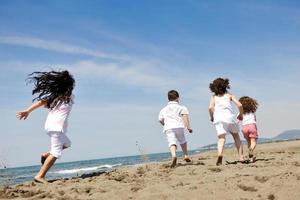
(225, 128)
(175, 135)
(59, 141)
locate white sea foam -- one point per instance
(86, 169)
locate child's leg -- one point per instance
(222, 129)
(173, 150)
(185, 152)
(248, 142)
(182, 141)
(238, 145)
(66, 141)
(170, 134)
(221, 143)
(46, 154)
(253, 137)
(48, 159)
(173, 153)
(184, 149)
(40, 177)
(245, 132)
(44, 157)
(251, 149)
(252, 145)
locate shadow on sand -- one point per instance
(248, 161)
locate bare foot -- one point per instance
(174, 162)
(251, 158)
(187, 159)
(242, 159)
(40, 180)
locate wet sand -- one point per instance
(275, 175)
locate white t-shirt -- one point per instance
(171, 115)
(57, 119)
(223, 109)
(248, 118)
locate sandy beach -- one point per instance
(275, 175)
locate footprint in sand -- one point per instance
(199, 163)
(118, 176)
(247, 188)
(136, 188)
(261, 179)
(215, 169)
(193, 188)
(203, 158)
(61, 192)
(271, 197)
(192, 172)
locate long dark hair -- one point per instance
(55, 87)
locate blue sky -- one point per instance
(126, 55)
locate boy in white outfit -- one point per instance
(175, 118)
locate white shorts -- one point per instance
(225, 128)
(175, 135)
(59, 141)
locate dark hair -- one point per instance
(173, 95)
(249, 105)
(55, 87)
(219, 86)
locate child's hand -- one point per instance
(190, 130)
(22, 115)
(240, 117)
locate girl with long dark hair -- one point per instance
(54, 92)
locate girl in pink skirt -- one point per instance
(249, 123)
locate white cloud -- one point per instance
(136, 70)
(131, 75)
(58, 46)
(145, 74)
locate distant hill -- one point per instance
(286, 135)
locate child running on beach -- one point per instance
(54, 90)
(222, 116)
(174, 119)
(249, 123)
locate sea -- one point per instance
(18, 175)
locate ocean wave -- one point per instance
(86, 169)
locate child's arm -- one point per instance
(211, 108)
(186, 122)
(240, 107)
(161, 118)
(24, 114)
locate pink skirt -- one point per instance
(250, 131)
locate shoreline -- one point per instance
(275, 175)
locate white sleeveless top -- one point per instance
(223, 110)
(248, 118)
(57, 119)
